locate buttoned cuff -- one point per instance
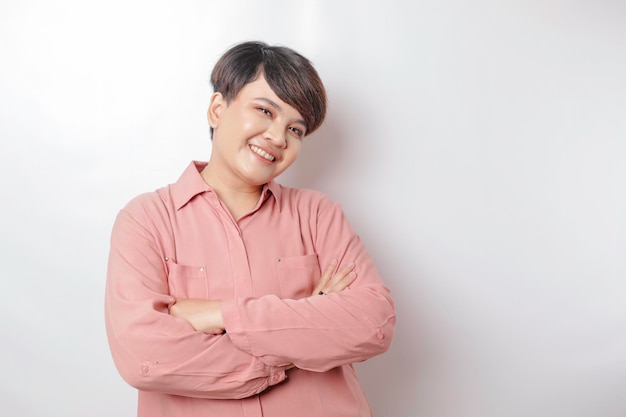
(232, 324)
(234, 330)
(277, 376)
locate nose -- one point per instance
(276, 136)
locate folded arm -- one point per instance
(206, 315)
(319, 333)
(155, 351)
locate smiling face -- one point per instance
(256, 137)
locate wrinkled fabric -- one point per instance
(181, 242)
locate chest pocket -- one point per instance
(298, 275)
(186, 281)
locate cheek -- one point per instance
(250, 124)
(294, 151)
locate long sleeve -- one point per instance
(320, 332)
(152, 350)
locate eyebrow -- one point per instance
(278, 107)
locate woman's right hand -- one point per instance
(336, 282)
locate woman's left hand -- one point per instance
(336, 282)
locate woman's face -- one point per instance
(256, 136)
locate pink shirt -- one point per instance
(181, 242)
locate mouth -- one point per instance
(262, 153)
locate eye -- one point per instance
(265, 111)
(297, 132)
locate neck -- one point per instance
(239, 198)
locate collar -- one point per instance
(191, 183)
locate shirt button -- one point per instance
(379, 334)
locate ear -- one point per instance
(217, 104)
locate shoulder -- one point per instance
(305, 198)
(149, 207)
(144, 202)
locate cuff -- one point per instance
(277, 376)
(234, 329)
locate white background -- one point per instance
(479, 148)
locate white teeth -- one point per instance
(262, 153)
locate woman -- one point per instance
(216, 303)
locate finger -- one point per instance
(326, 277)
(344, 282)
(341, 279)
